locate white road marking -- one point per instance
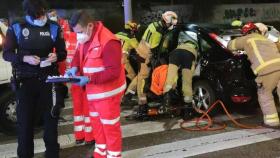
(69, 118)
(130, 130)
(206, 144)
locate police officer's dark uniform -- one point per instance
(33, 93)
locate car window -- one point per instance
(211, 50)
(204, 45)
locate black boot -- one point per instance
(167, 99)
(142, 112)
(92, 142)
(126, 101)
(80, 142)
(188, 112)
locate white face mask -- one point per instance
(54, 18)
(82, 38)
(40, 22)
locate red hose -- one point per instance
(210, 122)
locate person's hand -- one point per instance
(52, 57)
(71, 72)
(83, 80)
(31, 59)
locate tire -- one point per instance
(8, 117)
(204, 96)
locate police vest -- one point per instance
(34, 39)
(93, 63)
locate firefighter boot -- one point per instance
(167, 100)
(126, 101)
(142, 112)
(188, 112)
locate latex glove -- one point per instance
(52, 57)
(83, 80)
(31, 59)
(71, 72)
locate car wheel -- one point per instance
(8, 117)
(204, 96)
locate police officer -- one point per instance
(28, 46)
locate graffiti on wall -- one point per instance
(147, 17)
(239, 12)
(247, 12)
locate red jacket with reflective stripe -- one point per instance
(93, 63)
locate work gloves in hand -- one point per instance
(71, 72)
(83, 80)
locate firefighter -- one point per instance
(29, 47)
(129, 44)
(149, 46)
(265, 59)
(98, 58)
(183, 57)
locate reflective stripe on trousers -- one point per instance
(79, 128)
(106, 94)
(110, 122)
(78, 118)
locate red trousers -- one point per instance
(82, 123)
(105, 119)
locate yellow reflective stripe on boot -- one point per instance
(273, 118)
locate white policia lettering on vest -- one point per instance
(45, 34)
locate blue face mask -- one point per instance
(40, 22)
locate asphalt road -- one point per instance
(149, 139)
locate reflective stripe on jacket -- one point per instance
(128, 43)
(262, 53)
(153, 34)
(93, 63)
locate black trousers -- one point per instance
(34, 102)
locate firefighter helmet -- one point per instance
(262, 27)
(248, 27)
(170, 17)
(131, 26)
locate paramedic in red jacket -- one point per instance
(99, 61)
